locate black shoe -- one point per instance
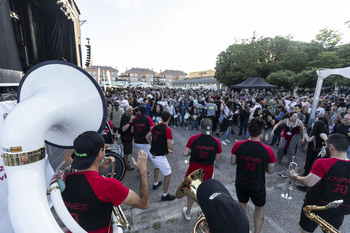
(232, 132)
(217, 134)
(168, 197)
(239, 134)
(271, 144)
(159, 184)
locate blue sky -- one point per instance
(187, 35)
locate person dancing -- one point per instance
(291, 135)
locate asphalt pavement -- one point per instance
(281, 215)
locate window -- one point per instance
(131, 74)
(94, 72)
(147, 75)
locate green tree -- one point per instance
(283, 78)
(327, 60)
(307, 78)
(328, 38)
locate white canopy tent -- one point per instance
(322, 74)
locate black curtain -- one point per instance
(42, 32)
(9, 58)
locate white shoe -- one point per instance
(174, 126)
(224, 143)
(227, 141)
(186, 128)
(187, 216)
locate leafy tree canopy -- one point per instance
(281, 60)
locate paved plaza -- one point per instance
(281, 215)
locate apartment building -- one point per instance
(167, 77)
(104, 75)
(141, 75)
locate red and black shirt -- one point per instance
(160, 134)
(90, 197)
(334, 184)
(203, 149)
(252, 160)
(142, 125)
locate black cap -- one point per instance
(222, 212)
(86, 147)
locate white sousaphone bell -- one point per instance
(57, 101)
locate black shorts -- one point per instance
(257, 197)
(307, 224)
(127, 147)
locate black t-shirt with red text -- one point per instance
(160, 134)
(252, 160)
(203, 149)
(334, 184)
(90, 197)
(126, 136)
(142, 125)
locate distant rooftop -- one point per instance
(140, 70)
(178, 72)
(102, 67)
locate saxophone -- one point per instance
(323, 224)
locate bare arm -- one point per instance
(170, 144)
(140, 201)
(309, 180)
(148, 137)
(186, 152)
(276, 125)
(233, 159)
(217, 157)
(270, 168)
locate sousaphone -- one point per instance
(57, 101)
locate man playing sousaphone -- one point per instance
(90, 197)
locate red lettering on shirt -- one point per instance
(76, 206)
(207, 148)
(339, 180)
(252, 159)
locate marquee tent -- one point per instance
(256, 83)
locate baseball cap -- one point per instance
(206, 126)
(86, 147)
(222, 212)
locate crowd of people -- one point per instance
(143, 118)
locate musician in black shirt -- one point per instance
(161, 139)
(253, 159)
(329, 181)
(141, 125)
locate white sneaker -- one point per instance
(227, 141)
(224, 143)
(174, 126)
(186, 128)
(187, 216)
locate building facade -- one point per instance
(167, 77)
(141, 75)
(104, 75)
